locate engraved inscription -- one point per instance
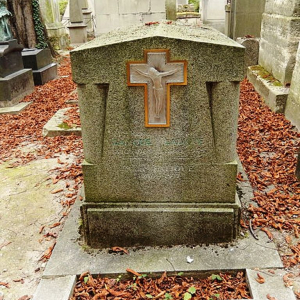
(157, 74)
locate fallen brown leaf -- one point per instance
(260, 279)
(133, 272)
(119, 249)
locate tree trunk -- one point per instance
(22, 22)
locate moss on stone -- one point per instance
(264, 74)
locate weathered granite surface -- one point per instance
(292, 109)
(280, 36)
(251, 52)
(191, 161)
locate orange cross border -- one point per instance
(157, 74)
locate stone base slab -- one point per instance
(52, 128)
(57, 288)
(274, 96)
(15, 87)
(163, 224)
(45, 74)
(14, 110)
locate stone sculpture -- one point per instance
(5, 31)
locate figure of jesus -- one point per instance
(158, 89)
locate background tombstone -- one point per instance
(245, 18)
(112, 14)
(213, 13)
(77, 28)
(15, 81)
(40, 61)
(55, 29)
(153, 181)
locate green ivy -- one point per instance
(38, 26)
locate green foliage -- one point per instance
(196, 3)
(38, 26)
(86, 279)
(214, 277)
(168, 296)
(149, 296)
(187, 296)
(62, 6)
(180, 274)
(192, 290)
(64, 125)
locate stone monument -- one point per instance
(77, 28)
(5, 32)
(40, 61)
(159, 107)
(15, 81)
(56, 30)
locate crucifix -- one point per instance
(157, 74)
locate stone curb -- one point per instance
(274, 96)
(16, 109)
(52, 128)
(70, 258)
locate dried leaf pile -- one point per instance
(24, 129)
(221, 287)
(267, 146)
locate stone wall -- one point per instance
(280, 35)
(111, 14)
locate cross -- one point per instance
(157, 74)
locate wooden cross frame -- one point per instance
(157, 74)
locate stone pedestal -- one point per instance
(78, 33)
(159, 107)
(40, 61)
(58, 36)
(77, 28)
(88, 21)
(15, 81)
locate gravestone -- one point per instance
(56, 30)
(77, 28)
(40, 61)
(213, 13)
(159, 107)
(246, 16)
(112, 14)
(15, 81)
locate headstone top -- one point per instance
(168, 29)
